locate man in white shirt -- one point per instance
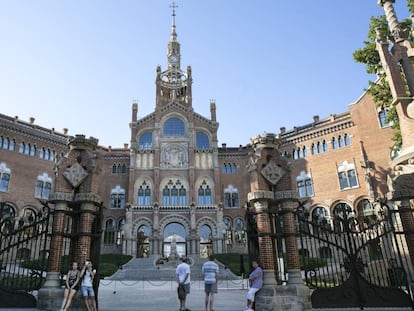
(210, 270)
(183, 280)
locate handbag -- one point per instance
(181, 291)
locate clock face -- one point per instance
(173, 58)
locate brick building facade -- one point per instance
(173, 185)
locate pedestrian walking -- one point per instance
(183, 280)
(255, 283)
(71, 286)
(210, 270)
(87, 275)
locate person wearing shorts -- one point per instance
(87, 275)
(255, 282)
(183, 280)
(210, 270)
(71, 286)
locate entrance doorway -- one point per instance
(174, 240)
(206, 241)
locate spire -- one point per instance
(173, 6)
(173, 51)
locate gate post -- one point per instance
(271, 188)
(76, 187)
(395, 60)
(292, 254)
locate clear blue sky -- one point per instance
(267, 63)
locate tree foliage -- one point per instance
(368, 55)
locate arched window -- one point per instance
(366, 212)
(109, 233)
(347, 176)
(5, 173)
(6, 144)
(325, 146)
(239, 231)
(27, 149)
(334, 143)
(120, 227)
(145, 141)
(340, 141)
(114, 169)
(347, 140)
(182, 196)
(342, 216)
(43, 186)
(174, 127)
(174, 193)
(6, 211)
(295, 154)
(204, 194)
(304, 185)
(229, 230)
(33, 151)
(320, 217)
(42, 153)
(320, 149)
(314, 148)
(118, 197)
(202, 141)
(383, 117)
(231, 197)
(144, 195)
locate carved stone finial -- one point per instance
(395, 28)
(267, 140)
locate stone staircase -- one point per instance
(146, 269)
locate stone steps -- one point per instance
(146, 269)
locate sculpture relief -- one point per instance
(174, 156)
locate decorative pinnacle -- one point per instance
(392, 20)
(173, 6)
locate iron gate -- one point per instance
(23, 257)
(355, 262)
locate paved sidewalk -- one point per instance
(121, 296)
(162, 296)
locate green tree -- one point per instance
(369, 56)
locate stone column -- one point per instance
(50, 295)
(407, 220)
(261, 201)
(292, 254)
(87, 216)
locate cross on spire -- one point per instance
(173, 6)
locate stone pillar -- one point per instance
(292, 254)
(261, 201)
(87, 216)
(50, 295)
(271, 190)
(407, 220)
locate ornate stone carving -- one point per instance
(273, 173)
(88, 197)
(60, 196)
(174, 156)
(75, 175)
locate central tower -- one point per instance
(174, 169)
(173, 83)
